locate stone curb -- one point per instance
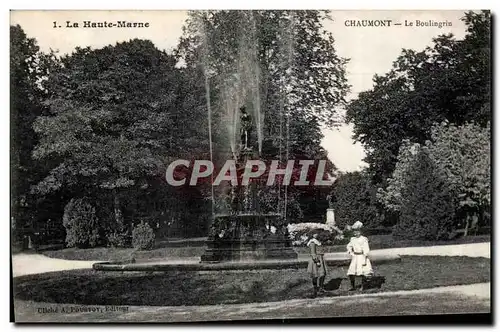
(339, 260)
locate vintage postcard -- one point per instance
(256, 165)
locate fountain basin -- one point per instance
(194, 264)
(247, 236)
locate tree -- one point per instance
(463, 153)
(28, 67)
(267, 60)
(355, 200)
(392, 196)
(81, 223)
(462, 156)
(448, 81)
(115, 117)
(284, 45)
(428, 210)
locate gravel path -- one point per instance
(469, 249)
(23, 264)
(473, 298)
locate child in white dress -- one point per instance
(359, 249)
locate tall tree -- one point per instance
(448, 81)
(462, 156)
(354, 199)
(28, 67)
(463, 153)
(428, 210)
(288, 50)
(115, 117)
(392, 195)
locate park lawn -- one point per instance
(209, 288)
(196, 248)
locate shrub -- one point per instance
(301, 233)
(355, 199)
(428, 208)
(143, 236)
(81, 224)
(378, 231)
(324, 236)
(117, 239)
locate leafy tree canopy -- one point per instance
(447, 81)
(462, 156)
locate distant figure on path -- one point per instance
(360, 263)
(316, 267)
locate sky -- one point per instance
(370, 50)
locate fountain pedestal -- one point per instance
(330, 217)
(242, 250)
(245, 233)
(243, 237)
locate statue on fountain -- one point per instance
(330, 212)
(246, 129)
(330, 198)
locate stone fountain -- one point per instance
(245, 233)
(244, 237)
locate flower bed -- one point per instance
(302, 232)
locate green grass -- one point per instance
(202, 288)
(106, 254)
(118, 254)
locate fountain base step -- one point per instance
(194, 264)
(240, 254)
(244, 250)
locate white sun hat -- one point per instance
(357, 225)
